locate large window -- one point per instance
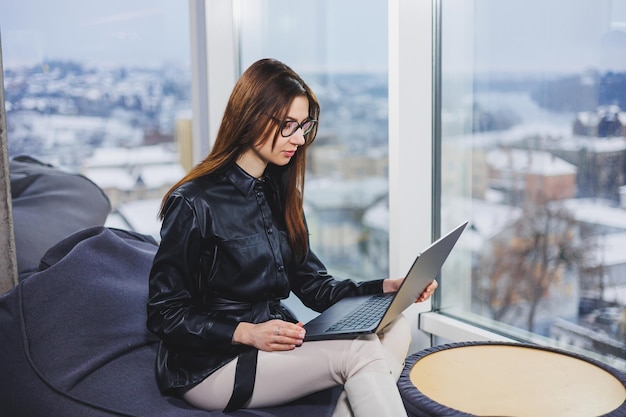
(529, 143)
(103, 89)
(533, 152)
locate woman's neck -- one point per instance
(251, 162)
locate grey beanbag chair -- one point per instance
(74, 341)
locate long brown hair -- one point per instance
(265, 90)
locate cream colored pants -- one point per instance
(285, 376)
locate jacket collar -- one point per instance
(243, 181)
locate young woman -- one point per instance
(234, 243)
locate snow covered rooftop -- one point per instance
(531, 162)
(107, 178)
(594, 212)
(141, 216)
(123, 157)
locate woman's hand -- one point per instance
(270, 336)
(392, 285)
(430, 290)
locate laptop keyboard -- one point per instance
(368, 313)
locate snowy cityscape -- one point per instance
(125, 128)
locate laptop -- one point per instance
(353, 316)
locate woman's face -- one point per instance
(280, 153)
(255, 160)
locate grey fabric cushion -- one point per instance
(75, 342)
(49, 205)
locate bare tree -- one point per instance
(526, 260)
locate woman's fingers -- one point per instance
(290, 331)
(281, 335)
(428, 292)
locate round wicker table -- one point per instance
(509, 379)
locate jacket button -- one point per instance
(280, 268)
(270, 230)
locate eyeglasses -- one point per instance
(289, 127)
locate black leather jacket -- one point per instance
(224, 258)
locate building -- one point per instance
(130, 174)
(530, 177)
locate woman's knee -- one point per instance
(365, 354)
(368, 353)
(400, 327)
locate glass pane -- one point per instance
(340, 49)
(102, 89)
(533, 123)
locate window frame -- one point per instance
(414, 97)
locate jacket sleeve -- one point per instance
(173, 309)
(318, 290)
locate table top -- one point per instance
(509, 380)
